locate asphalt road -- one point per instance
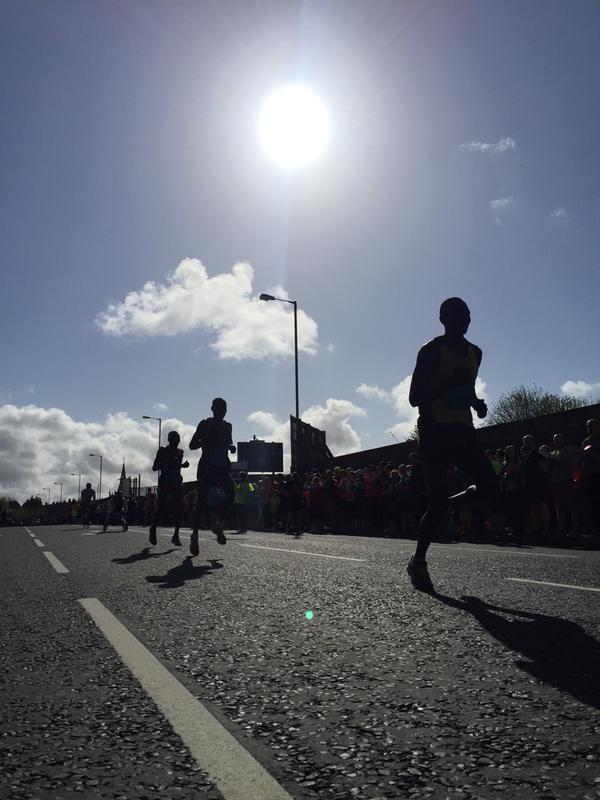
(204, 678)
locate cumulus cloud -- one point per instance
(41, 445)
(581, 389)
(373, 392)
(223, 306)
(503, 145)
(560, 215)
(501, 208)
(397, 396)
(334, 418)
(161, 407)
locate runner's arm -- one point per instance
(478, 404)
(421, 392)
(157, 460)
(197, 438)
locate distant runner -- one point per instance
(216, 491)
(443, 387)
(169, 460)
(88, 498)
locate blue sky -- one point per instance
(462, 161)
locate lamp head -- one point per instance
(266, 297)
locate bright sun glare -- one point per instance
(294, 126)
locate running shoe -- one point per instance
(221, 538)
(194, 549)
(152, 536)
(175, 538)
(419, 575)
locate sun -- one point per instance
(294, 126)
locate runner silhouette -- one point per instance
(443, 388)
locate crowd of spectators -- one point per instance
(548, 493)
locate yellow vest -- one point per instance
(452, 386)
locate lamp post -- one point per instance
(79, 488)
(47, 489)
(94, 455)
(58, 483)
(159, 420)
(295, 304)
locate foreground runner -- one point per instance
(88, 498)
(214, 436)
(169, 461)
(443, 387)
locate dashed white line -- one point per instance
(300, 552)
(561, 585)
(236, 773)
(505, 552)
(58, 565)
(38, 542)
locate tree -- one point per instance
(413, 436)
(525, 402)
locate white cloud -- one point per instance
(373, 392)
(161, 407)
(501, 208)
(561, 215)
(503, 145)
(581, 389)
(41, 445)
(224, 306)
(398, 397)
(333, 418)
(31, 389)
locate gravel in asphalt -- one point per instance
(488, 687)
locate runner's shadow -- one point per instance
(186, 571)
(141, 556)
(554, 650)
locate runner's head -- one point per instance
(593, 427)
(455, 316)
(219, 408)
(558, 441)
(174, 438)
(88, 486)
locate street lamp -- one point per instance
(47, 489)
(159, 420)
(94, 455)
(295, 304)
(79, 489)
(58, 483)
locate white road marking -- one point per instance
(506, 552)
(27, 529)
(300, 552)
(58, 565)
(38, 542)
(561, 585)
(236, 773)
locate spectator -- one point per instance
(536, 486)
(590, 463)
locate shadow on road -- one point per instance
(142, 556)
(555, 650)
(186, 571)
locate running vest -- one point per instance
(453, 386)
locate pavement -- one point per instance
(131, 671)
